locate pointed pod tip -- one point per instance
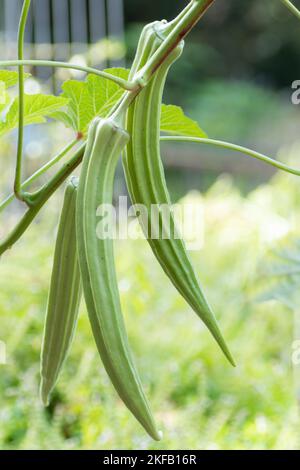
(228, 354)
(215, 330)
(157, 435)
(232, 361)
(44, 393)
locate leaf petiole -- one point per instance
(235, 148)
(125, 84)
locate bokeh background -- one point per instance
(235, 79)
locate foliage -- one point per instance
(36, 107)
(80, 102)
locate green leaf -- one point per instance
(80, 108)
(174, 121)
(96, 96)
(36, 109)
(105, 93)
(63, 117)
(86, 100)
(10, 78)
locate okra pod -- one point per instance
(147, 184)
(106, 141)
(64, 296)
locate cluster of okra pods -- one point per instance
(84, 259)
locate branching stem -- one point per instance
(40, 172)
(41, 197)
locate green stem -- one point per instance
(127, 85)
(42, 197)
(39, 172)
(21, 33)
(175, 32)
(235, 148)
(292, 8)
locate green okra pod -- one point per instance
(106, 141)
(146, 179)
(64, 296)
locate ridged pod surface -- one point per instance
(64, 296)
(146, 179)
(105, 143)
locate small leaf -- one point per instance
(174, 121)
(10, 78)
(36, 109)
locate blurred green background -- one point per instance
(235, 78)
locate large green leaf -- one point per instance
(86, 100)
(96, 96)
(36, 109)
(79, 111)
(8, 78)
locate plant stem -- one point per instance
(18, 173)
(41, 198)
(235, 148)
(292, 8)
(39, 172)
(127, 85)
(175, 32)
